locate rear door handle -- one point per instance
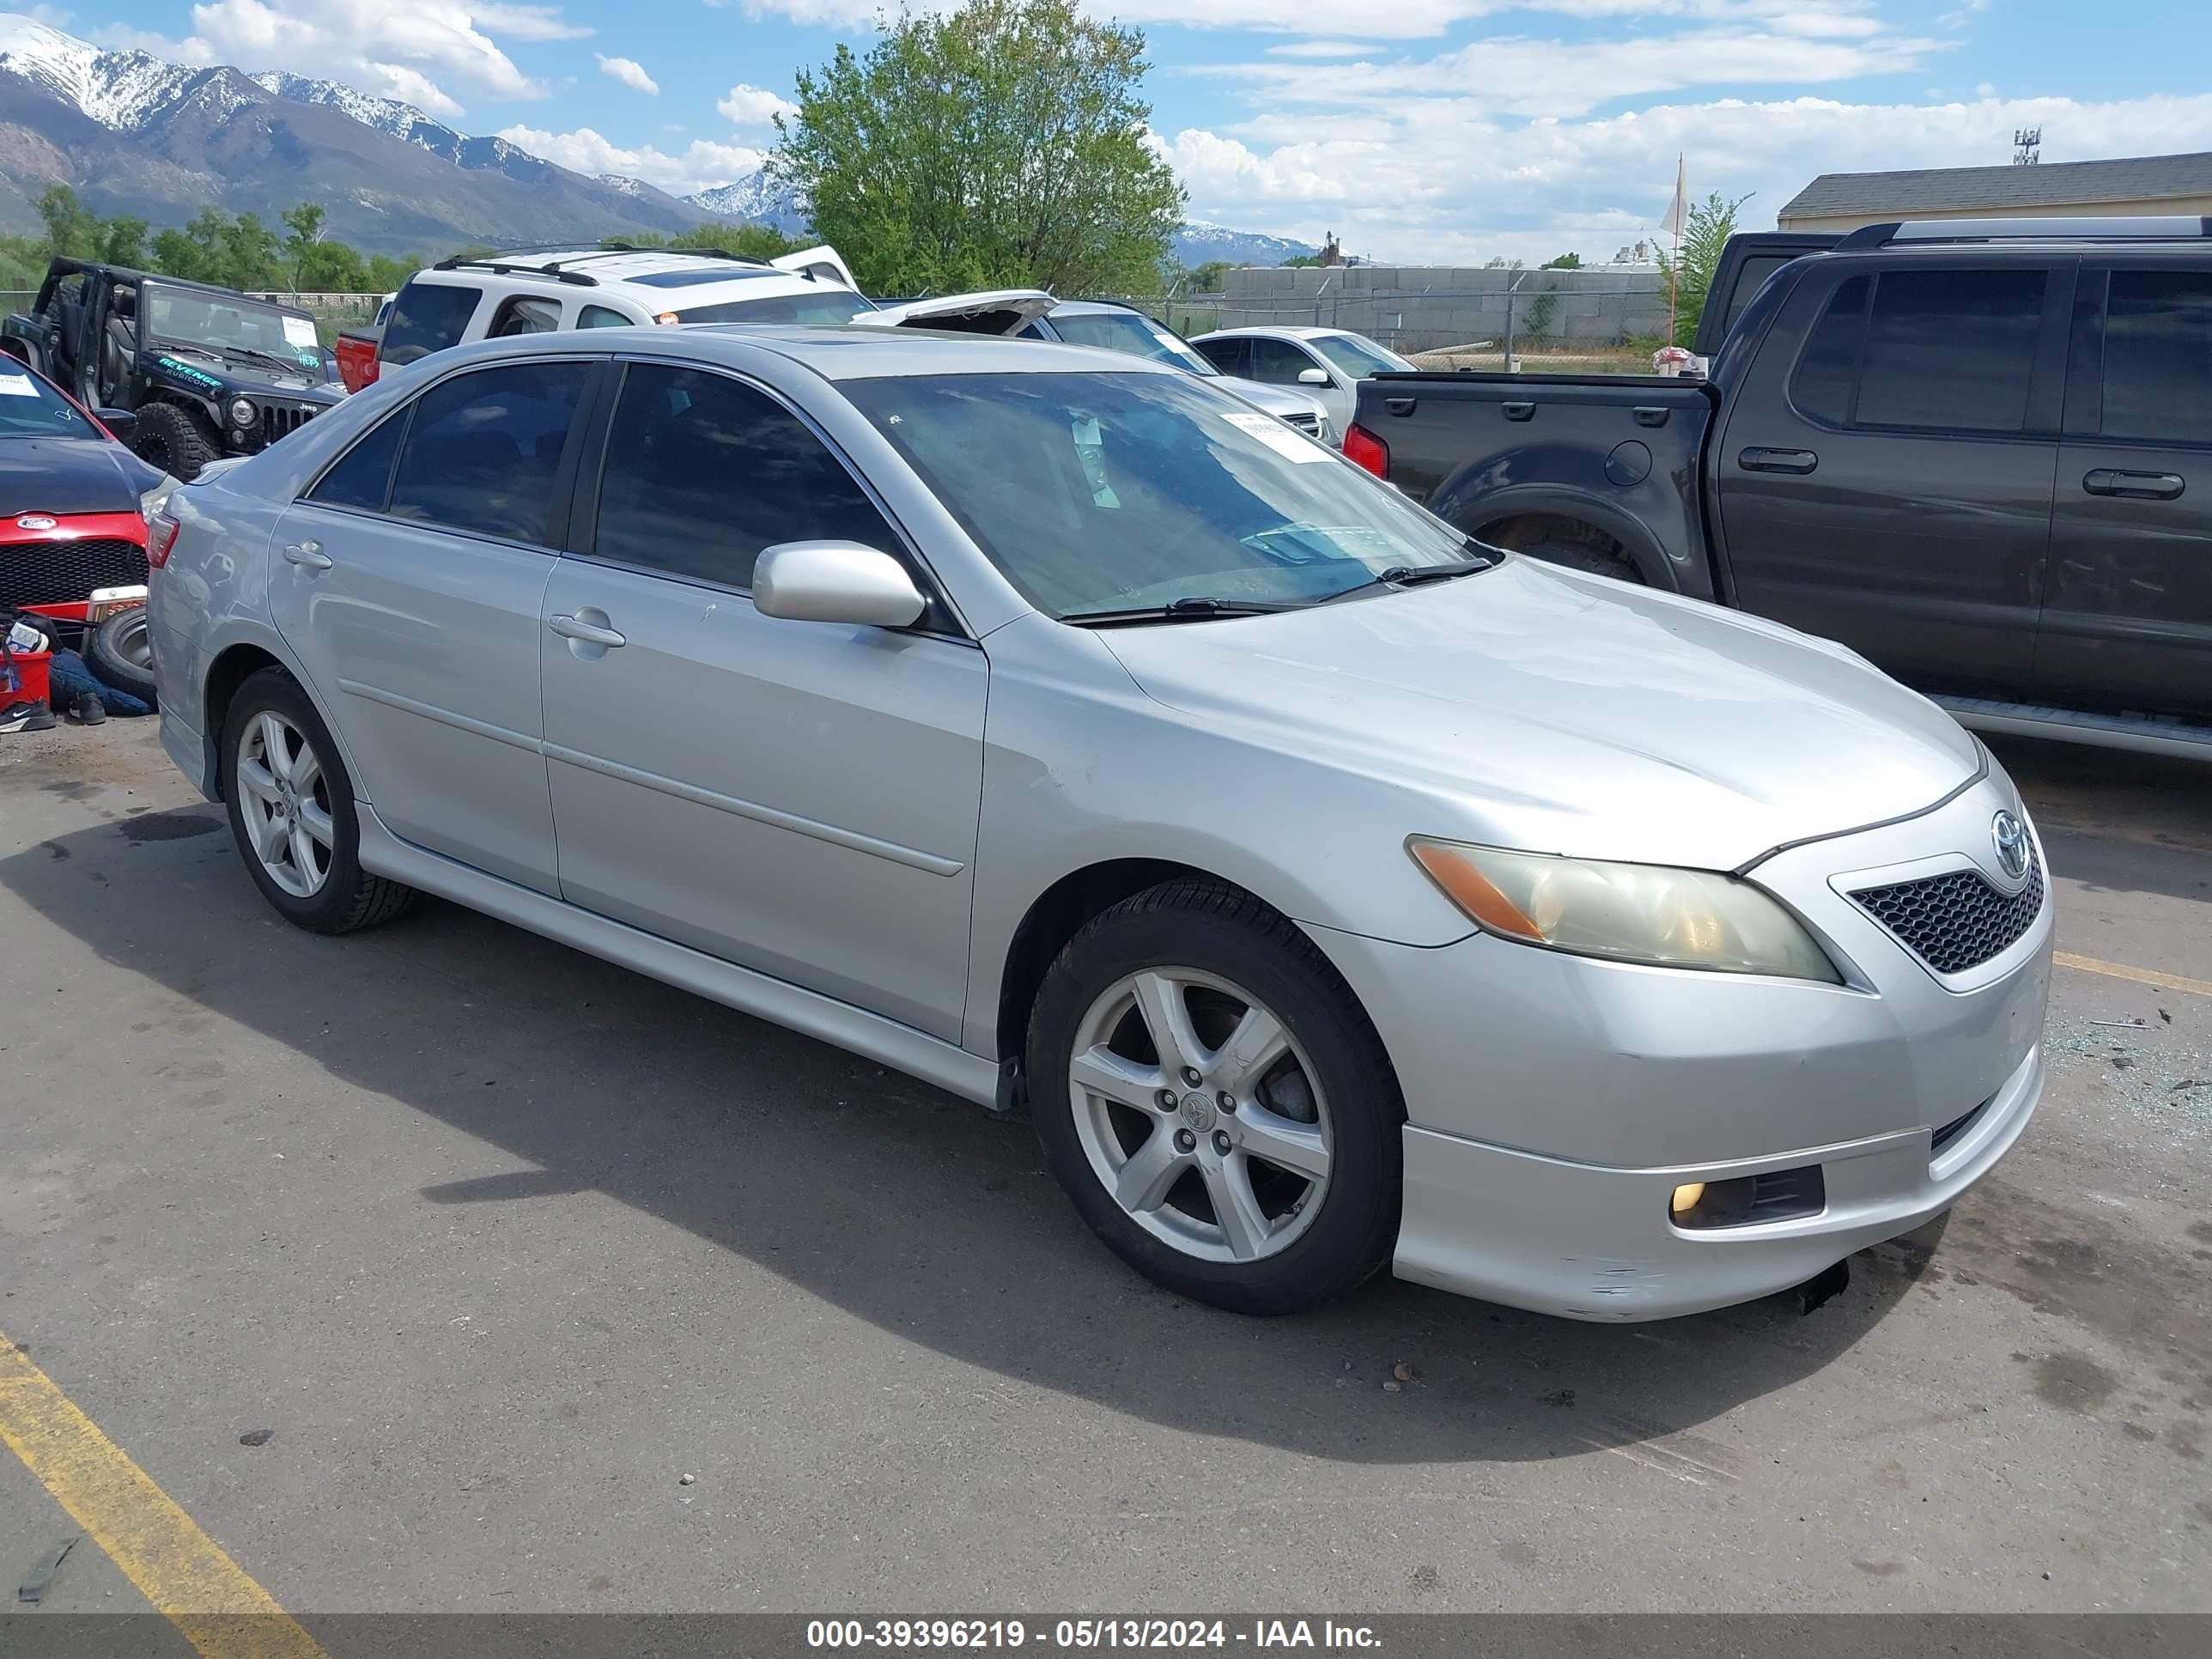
(568, 628)
(1777, 460)
(308, 556)
(2137, 486)
(1519, 411)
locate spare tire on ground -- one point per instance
(119, 651)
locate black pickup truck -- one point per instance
(1979, 453)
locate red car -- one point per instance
(74, 506)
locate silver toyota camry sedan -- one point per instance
(1331, 891)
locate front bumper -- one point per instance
(1555, 1102)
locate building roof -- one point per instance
(2053, 183)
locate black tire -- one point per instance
(1222, 930)
(1610, 562)
(176, 439)
(117, 653)
(349, 899)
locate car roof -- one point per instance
(847, 351)
(1093, 308)
(1263, 330)
(656, 277)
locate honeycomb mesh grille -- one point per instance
(1956, 921)
(62, 572)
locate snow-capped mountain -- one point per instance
(121, 90)
(754, 200)
(1201, 243)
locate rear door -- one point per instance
(1883, 472)
(2127, 618)
(428, 315)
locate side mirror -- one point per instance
(1314, 377)
(123, 423)
(835, 582)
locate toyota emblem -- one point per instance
(2010, 835)
(34, 521)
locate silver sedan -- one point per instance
(1332, 892)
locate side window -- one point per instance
(1751, 276)
(1950, 349)
(600, 317)
(427, 317)
(483, 451)
(1278, 362)
(702, 472)
(526, 314)
(1229, 356)
(363, 473)
(2158, 356)
(1822, 385)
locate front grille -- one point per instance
(281, 420)
(1309, 424)
(65, 572)
(1957, 920)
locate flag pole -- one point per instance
(1675, 265)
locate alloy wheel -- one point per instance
(285, 799)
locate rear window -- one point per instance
(1953, 350)
(427, 317)
(29, 408)
(831, 305)
(2158, 356)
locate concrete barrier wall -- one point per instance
(1429, 307)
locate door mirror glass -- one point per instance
(123, 423)
(835, 582)
(1313, 377)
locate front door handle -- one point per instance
(1777, 460)
(308, 556)
(570, 628)
(2136, 486)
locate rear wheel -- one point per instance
(175, 439)
(1215, 1103)
(292, 811)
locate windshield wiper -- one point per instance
(1416, 575)
(203, 349)
(1198, 608)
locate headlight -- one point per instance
(156, 498)
(242, 412)
(1643, 913)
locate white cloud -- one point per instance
(410, 49)
(753, 107)
(630, 72)
(1448, 180)
(701, 164)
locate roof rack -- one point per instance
(2148, 228)
(697, 253)
(509, 267)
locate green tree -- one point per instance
(175, 254)
(1690, 274)
(1207, 278)
(122, 240)
(1563, 262)
(71, 229)
(1301, 262)
(305, 221)
(1000, 143)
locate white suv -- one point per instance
(459, 300)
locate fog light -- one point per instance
(1686, 1196)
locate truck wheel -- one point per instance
(121, 654)
(175, 439)
(1591, 561)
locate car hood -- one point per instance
(218, 376)
(1565, 713)
(61, 476)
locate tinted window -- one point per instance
(523, 315)
(830, 305)
(427, 317)
(600, 317)
(702, 472)
(2158, 356)
(360, 477)
(1750, 276)
(1278, 362)
(484, 448)
(1356, 357)
(1822, 387)
(1229, 356)
(1950, 349)
(1127, 331)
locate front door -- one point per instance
(799, 798)
(2127, 622)
(1888, 485)
(408, 581)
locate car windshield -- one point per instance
(830, 305)
(1102, 492)
(1358, 358)
(29, 408)
(228, 322)
(1130, 331)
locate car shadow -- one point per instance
(896, 1203)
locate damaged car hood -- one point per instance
(1565, 713)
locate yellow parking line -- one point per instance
(175, 1565)
(2202, 987)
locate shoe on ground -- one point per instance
(25, 717)
(89, 710)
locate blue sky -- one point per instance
(1420, 129)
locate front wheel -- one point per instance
(175, 439)
(292, 811)
(1215, 1103)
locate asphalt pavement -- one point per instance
(555, 1288)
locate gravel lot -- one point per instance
(502, 1242)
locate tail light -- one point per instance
(160, 540)
(1368, 451)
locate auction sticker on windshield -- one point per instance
(17, 385)
(299, 331)
(1277, 436)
